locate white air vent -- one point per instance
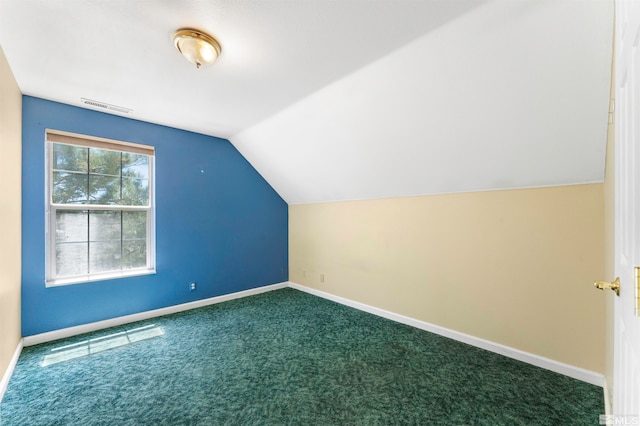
(106, 106)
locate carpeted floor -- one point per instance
(283, 357)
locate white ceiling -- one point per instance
(350, 99)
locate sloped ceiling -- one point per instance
(351, 99)
(512, 94)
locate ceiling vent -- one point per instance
(106, 106)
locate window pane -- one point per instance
(69, 188)
(104, 256)
(134, 254)
(135, 165)
(134, 225)
(104, 189)
(72, 226)
(135, 192)
(104, 162)
(71, 259)
(104, 226)
(70, 158)
(107, 239)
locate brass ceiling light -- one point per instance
(197, 47)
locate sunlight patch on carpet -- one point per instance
(100, 344)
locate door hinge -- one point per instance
(637, 291)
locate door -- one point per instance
(626, 395)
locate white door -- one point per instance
(626, 395)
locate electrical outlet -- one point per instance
(321, 278)
(192, 286)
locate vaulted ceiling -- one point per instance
(351, 99)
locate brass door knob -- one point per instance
(603, 285)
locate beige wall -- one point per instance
(515, 267)
(10, 212)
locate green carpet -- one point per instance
(284, 358)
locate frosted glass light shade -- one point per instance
(197, 47)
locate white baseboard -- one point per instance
(99, 325)
(9, 372)
(539, 361)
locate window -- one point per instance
(100, 214)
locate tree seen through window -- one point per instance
(98, 239)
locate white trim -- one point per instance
(112, 275)
(539, 361)
(608, 406)
(52, 279)
(568, 370)
(4, 383)
(99, 325)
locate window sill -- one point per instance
(98, 277)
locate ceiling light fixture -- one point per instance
(197, 47)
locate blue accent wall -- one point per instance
(218, 222)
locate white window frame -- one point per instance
(57, 136)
